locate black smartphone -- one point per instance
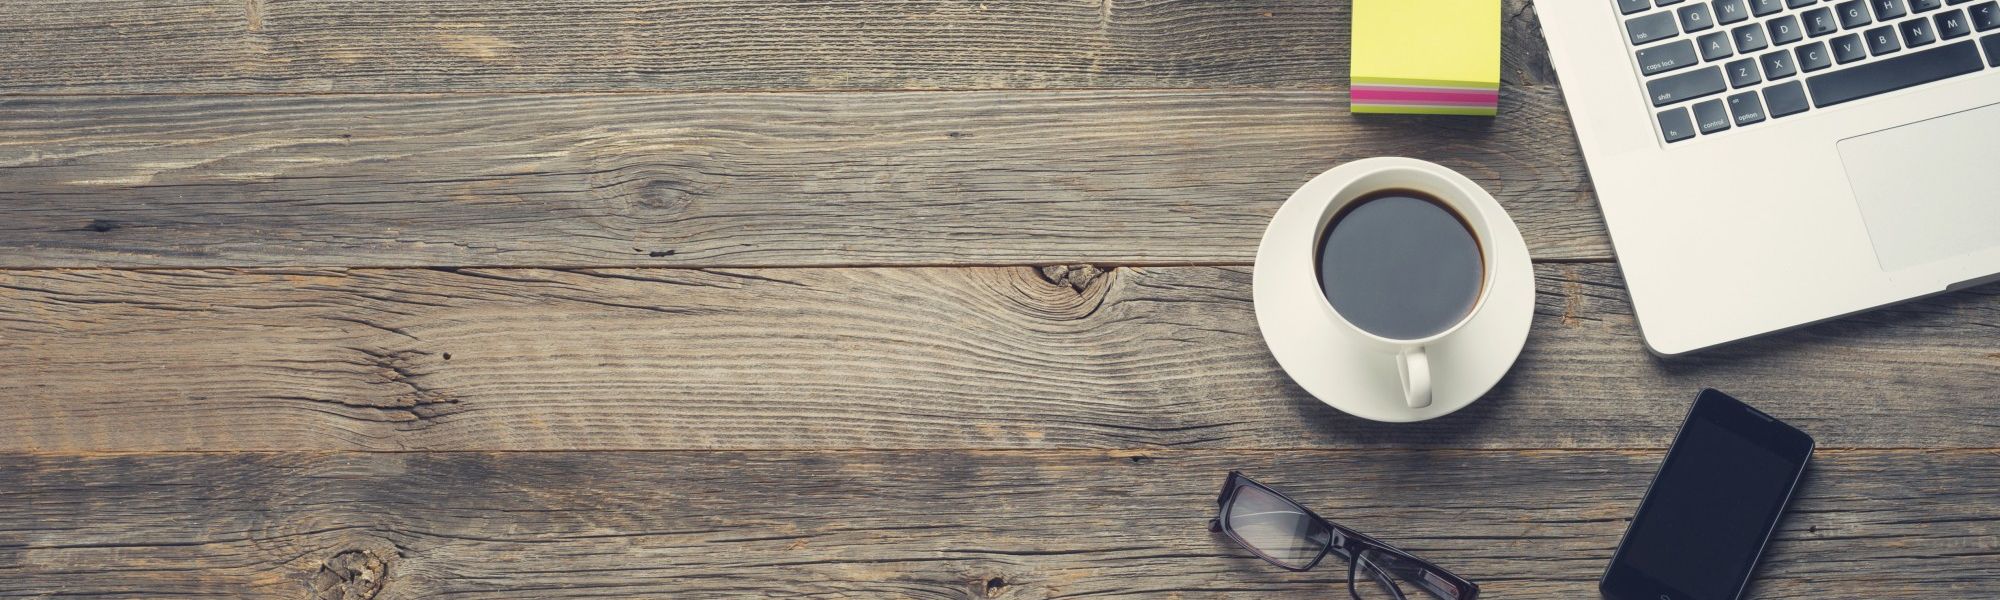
(1712, 506)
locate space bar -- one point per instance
(1893, 74)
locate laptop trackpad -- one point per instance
(1929, 190)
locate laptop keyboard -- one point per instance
(1715, 65)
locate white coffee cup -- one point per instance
(1457, 194)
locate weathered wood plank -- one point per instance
(1866, 524)
(726, 179)
(201, 46)
(878, 358)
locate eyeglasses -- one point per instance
(1286, 534)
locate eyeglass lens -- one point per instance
(1275, 527)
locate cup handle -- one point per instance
(1415, 369)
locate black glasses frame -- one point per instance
(1347, 543)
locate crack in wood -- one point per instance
(422, 403)
(1572, 297)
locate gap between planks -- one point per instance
(669, 92)
(1133, 453)
(1104, 265)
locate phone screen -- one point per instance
(1715, 500)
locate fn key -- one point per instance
(1675, 124)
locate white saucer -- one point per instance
(1330, 361)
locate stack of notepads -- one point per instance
(1436, 57)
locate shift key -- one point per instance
(1692, 84)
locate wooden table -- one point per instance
(568, 298)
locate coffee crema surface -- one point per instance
(1401, 265)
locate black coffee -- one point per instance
(1399, 264)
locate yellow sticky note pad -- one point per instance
(1425, 57)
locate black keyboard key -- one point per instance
(1887, 9)
(1745, 108)
(1819, 22)
(1714, 45)
(1813, 57)
(1730, 11)
(1917, 6)
(1666, 2)
(1917, 32)
(1626, 7)
(1651, 28)
(1992, 45)
(1985, 15)
(1695, 17)
(1956, 2)
(1882, 40)
(1852, 13)
(1784, 30)
(1749, 38)
(1778, 65)
(1685, 86)
(1785, 99)
(1798, 3)
(1862, 81)
(1674, 124)
(1710, 117)
(1765, 7)
(1952, 25)
(1847, 49)
(1666, 57)
(1742, 73)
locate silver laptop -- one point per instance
(1764, 164)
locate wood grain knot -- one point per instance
(349, 575)
(1076, 277)
(1067, 292)
(253, 13)
(642, 179)
(639, 200)
(661, 195)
